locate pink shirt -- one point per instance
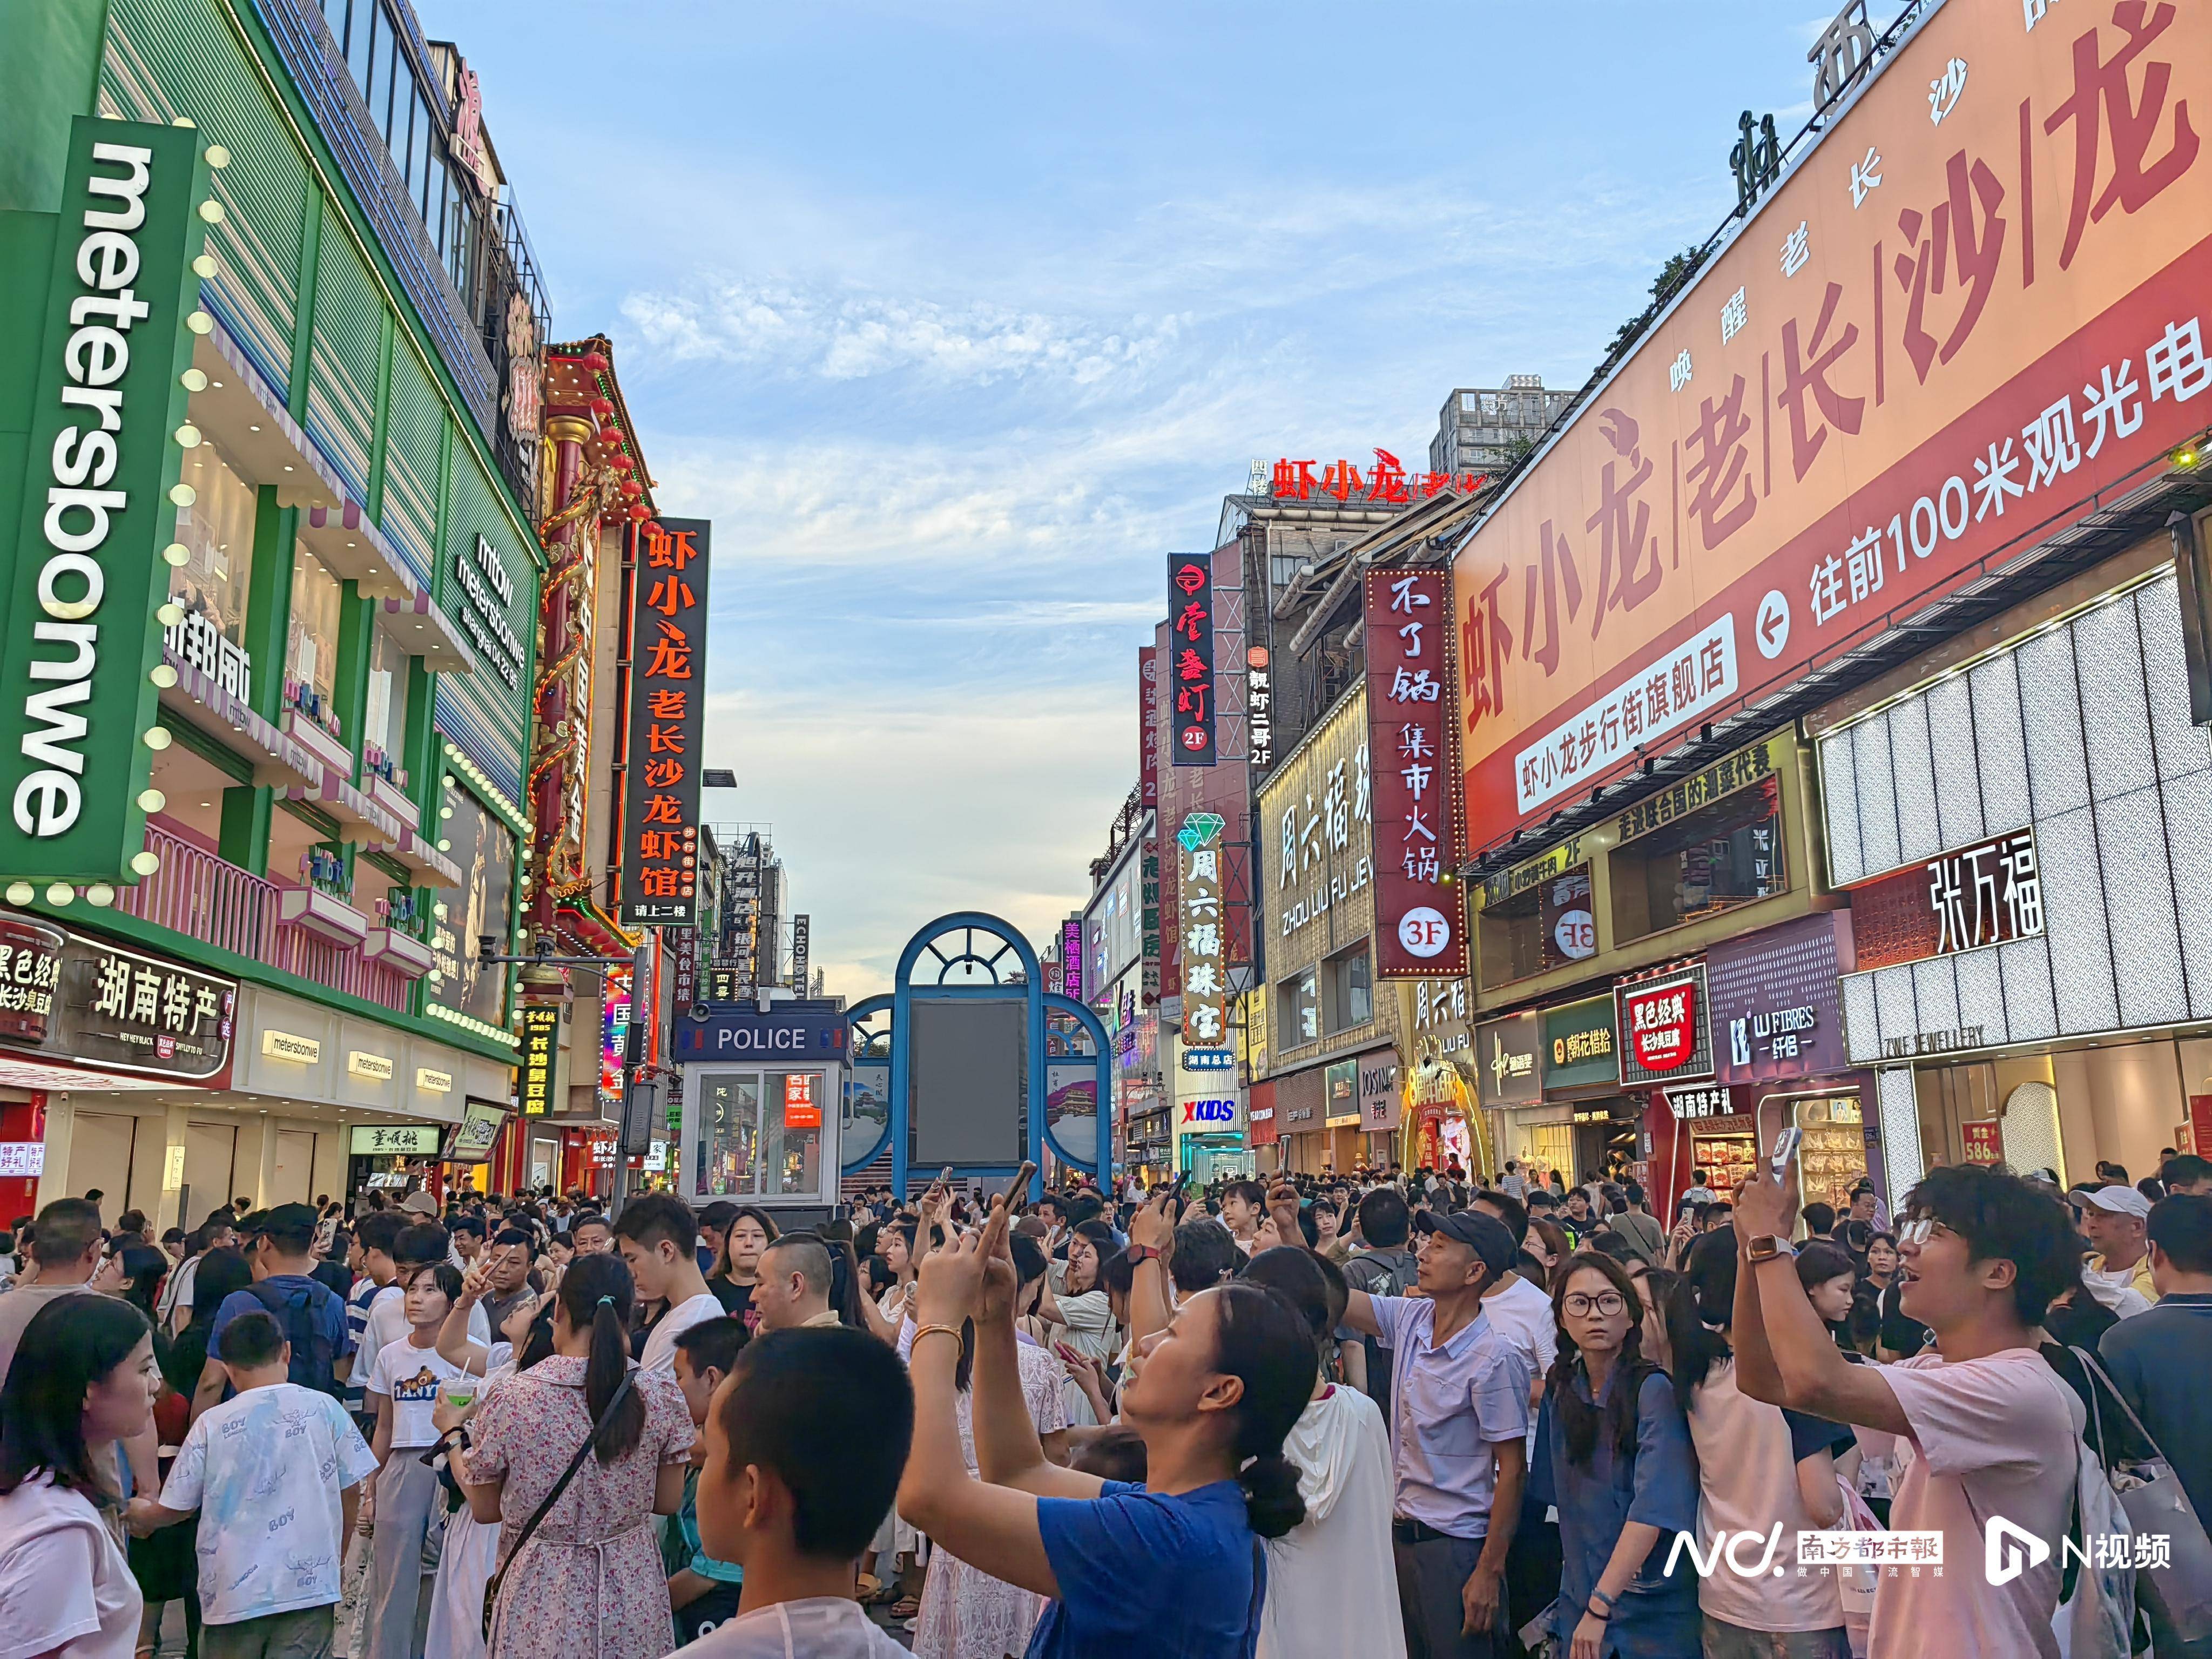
(1993, 1437)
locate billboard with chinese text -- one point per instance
(1189, 660)
(1422, 931)
(1972, 310)
(667, 722)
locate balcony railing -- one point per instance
(201, 897)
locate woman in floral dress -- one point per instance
(589, 1580)
(965, 1613)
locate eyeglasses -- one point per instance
(1605, 1302)
(1919, 1231)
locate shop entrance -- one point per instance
(1605, 1145)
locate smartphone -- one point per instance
(1785, 1148)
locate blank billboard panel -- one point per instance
(970, 1081)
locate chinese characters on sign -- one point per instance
(1983, 1142)
(1662, 1029)
(1713, 1102)
(1189, 661)
(1385, 483)
(541, 1051)
(1420, 933)
(196, 642)
(65, 994)
(1259, 711)
(667, 719)
(1994, 315)
(1071, 957)
(1148, 726)
(1700, 790)
(1205, 941)
(1987, 894)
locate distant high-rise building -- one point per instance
(1483, 431)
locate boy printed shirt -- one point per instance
(264, 1470)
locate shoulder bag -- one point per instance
(531, 1526)
(2156, 1504)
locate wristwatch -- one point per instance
(1767, 1248)
(1143, 1253)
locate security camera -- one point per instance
(486, 949)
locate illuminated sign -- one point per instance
(1386, 482)
(541, 1051)
(1420, 924)
(395, 1139)
(1189, 664)
(283, 1045)
(375, 1067)
(1663, 1033)
(614, 1036)
(667, 719)
(802, 1103)
(1205, 939)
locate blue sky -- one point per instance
(955, 318)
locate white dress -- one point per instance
(1331, 1584)
(466, 1563)
(965, 1613)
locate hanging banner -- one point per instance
(667, 723)
(1205, 946)
(1420, 929)
(541, 1053)
(1971, 314)
(1189, 662)
(1148, 727)
(94, 376)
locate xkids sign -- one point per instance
(106, 423)
(1663, 1033)
(1972, 311)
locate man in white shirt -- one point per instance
(658, 1236)
(1984, 1427)
(422, 1245)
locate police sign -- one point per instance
(801, 1030)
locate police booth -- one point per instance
(761, 1105)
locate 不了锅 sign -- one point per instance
(667, 720)
(1420, 929)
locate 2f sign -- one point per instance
(81, 637)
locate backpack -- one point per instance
(1382, 1273)
(296, 1307)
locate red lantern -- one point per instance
(638, 513)
(632, 488)
(596, 362)
(603, 407)
(621, 463)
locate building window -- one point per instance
(485, 849)
(311, 642)
(1298, 1008)
(384, 726)
(217, 530)
(1347, 990)
(1722, 856)
(1547, 927)
(748, 1146)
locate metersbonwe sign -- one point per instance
(1974, 304)
(103, 405)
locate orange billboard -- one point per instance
(1971, 313)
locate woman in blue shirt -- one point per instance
(1172, 1566)
(1614, 1453)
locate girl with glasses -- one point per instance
(1614, 1453)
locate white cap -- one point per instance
(2119, 1201)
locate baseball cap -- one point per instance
(1490, 1239)
(2118, 1201)
(420, 1204)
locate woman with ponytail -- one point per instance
(1173, 1566)
(1332, 1587)
(1613, 1454)
(588, 1578)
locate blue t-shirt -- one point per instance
(320, 1298)
(1145, 1572)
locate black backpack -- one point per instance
(1379, 1273)
(295, 1306)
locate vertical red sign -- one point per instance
(1148, 726)
(667, 722)
(1420, 926)
(1189, 664)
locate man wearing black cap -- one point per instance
(1459, 1419)
(312, 1317)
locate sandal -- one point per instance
(907, 1607)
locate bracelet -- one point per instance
(1142, 1253)
(1599, 1596)
(952, 1331)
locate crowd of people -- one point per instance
(1398, 1412)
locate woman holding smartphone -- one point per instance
(1171, 1566)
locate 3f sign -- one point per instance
(106, 400)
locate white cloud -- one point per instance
(793, 328)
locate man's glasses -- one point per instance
(1605, 1302)
(1917, 1232)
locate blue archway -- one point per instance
(971, 957)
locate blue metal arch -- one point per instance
(1034, 998)
(858, 1015)
(1103, 1158)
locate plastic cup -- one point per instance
(459, 1390)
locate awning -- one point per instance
(278, 761)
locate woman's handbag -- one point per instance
(529, 1527)
(2157, 1506)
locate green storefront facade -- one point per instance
(331, 784)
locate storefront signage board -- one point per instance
(1664, 1033)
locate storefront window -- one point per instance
(1547, 927)
(1714, 860)
(1300, 1006)
(385, 727)
(1350, 990)
(760, 1135)
(485, 852)
(311, 642)
(217, 531)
